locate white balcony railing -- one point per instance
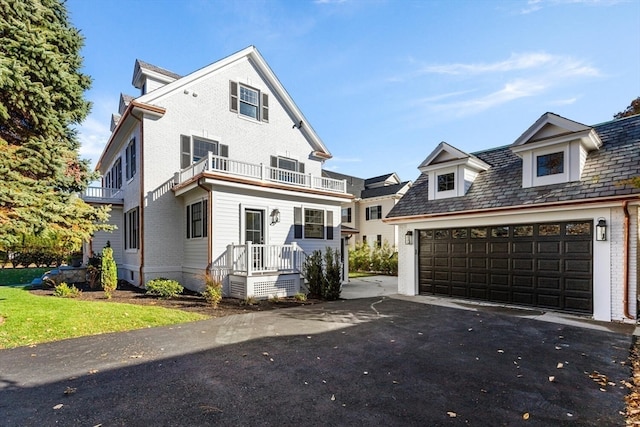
(102, 194)
(259, 172)
(250, 259)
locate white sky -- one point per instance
(383, 82)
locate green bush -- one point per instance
(381, 259)
(164, 288)
(212, 290)
(65, 291)
(313, 273)
(332, 282)
(109, 277)
(323, 274)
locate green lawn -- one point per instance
(30, 319)
(20, 276)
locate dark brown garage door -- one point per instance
(544, 265)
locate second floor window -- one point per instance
(192, 149)
(130, 159)
(116, 174)
(373, 212)
(446, 182)
(248, 102)
(346, 214)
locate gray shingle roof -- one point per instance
(501, 186)
(386, 190)
(158, 69)
(354, 185)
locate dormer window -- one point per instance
(446, 182)
(550, 164)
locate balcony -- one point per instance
(103, 195)
(259, 172)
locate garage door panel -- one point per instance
(548, 265)
(577, 247)
(499, 264)
(548, 247)
(577, 266)
(499, 248)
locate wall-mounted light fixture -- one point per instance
(601, 230)
(275, 216)
(408, 238)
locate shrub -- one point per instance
(300, 296)
(109, 278)
(164, 288)
(381, 259)
(332, 282)
(323, 274)
(65, 291)
(212, 290)
(313, 273)
(250, 300)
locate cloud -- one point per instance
(567, 101)
(536, 5)
(521, 75)
(93, 135)
(346, 159)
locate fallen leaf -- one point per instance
(70, 390)
(264, 353)
(525, 416)
(452, 414)
(552, 378)
(333, 397)
(366, 373)
(560, 365)
(500, 351)
(58, 406)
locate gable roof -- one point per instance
(385, 190)
(448, 154)
(551, 128)
(381, 179)
(250, 53)
(159, 73)
(354, 185)
(367, 188)
(500, 187)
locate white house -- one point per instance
(362, 217)
(550, 221)
(216, 171)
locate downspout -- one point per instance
(625, 274)
(209, 225)
(141, 206)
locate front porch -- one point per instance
(260, 271)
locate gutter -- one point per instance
(569, 203)
(626, 254)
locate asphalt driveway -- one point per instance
(372, 361)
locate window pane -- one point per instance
(442, 234)
(549, 230)
(196, 220)
(459, 233)
(550, 164)
(478, 233)
(313, 224)
(578, 228)
(446, 182)
(523, 231)
(502, 231)
(288, 164)
(426, 234)
(248, 102)
(202, 147)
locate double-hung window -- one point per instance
(446, 182)
(281, 168)
(373, 212)
(197, 219)
(312, 223)
(193, 149)
(248, 102)
(132, 229)
(346, 214)
(130, 159)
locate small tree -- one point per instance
(332, 280)
(109, 279)
(313, 274)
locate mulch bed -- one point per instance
(188, 301)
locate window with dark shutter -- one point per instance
(205, 218)
(367, 214)
(233, 96)
(265, 107)
(188, 222)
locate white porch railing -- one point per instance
(102, 194)
(259, 172)
(250, 259)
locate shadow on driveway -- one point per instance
(375, 361)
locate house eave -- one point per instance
(559, 206)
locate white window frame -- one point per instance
(556, 178)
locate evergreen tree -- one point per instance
(41, 99)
